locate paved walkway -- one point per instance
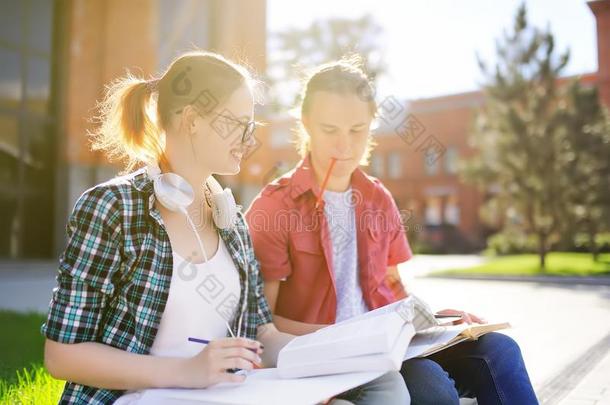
(26, 286)
(563, 330)
(594, 389)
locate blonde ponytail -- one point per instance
(135, 113)
(127, 131)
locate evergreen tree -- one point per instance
(587, 163)
(519, 135)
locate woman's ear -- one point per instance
(190, 119)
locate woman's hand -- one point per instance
(274, 341)
(464, 317)
(210, 366)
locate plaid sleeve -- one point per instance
(86, 268)
(263, 314)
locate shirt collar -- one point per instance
(141, 181)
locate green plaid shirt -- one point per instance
(114, 276)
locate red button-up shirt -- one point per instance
(292, 243)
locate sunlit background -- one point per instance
(56, 56)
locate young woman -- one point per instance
(129, 284)
(328, 238)
(159, 260)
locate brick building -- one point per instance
(58, 54)
(440, 209)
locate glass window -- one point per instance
(37, 229)
(433, 214)
(394, 165)
(430, 166)
(181, 28)
(377, 165)
(37, 84)
(9, 152)
(40, 20)
(10, 79)
(38, 149)
(452, 210)
(11, 22)
(451, 160)
(27, 152)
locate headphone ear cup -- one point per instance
(175, 193)
(224, 209)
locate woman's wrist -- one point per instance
(168, 372)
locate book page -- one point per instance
(474, 331)
(430, 339)
(393, 307)
(368, 336)
(435, 339)
(412, 309)
(374, 362)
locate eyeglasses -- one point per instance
(249, 127)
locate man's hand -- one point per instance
(464, 317)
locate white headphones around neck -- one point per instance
(176, 194)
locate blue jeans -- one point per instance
(389, 389)
(490, 369)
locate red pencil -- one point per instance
(325, 181)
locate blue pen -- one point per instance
(205, 342)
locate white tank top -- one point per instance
(201, 297)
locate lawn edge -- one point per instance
(583, 280)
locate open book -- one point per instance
(435, 339)
(376, 341)
(379, 340)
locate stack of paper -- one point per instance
(262, 387)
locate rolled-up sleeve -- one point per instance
(266, 219)
(399, 250)
(86, 269)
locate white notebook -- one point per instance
(261, 387)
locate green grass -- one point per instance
(21, 343)
(557, 264)
(23, 379)
(33, 386)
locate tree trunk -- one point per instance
(542, 251)
(593, 248)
